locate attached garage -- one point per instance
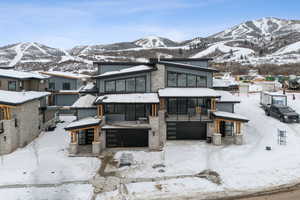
(127, 138)
(186, 131)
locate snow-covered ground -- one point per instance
(65, 192)
(242, 168)
(46, 161)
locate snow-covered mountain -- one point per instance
(266, 27)
(267, 40)
(155, 42)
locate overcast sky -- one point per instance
(66, 23)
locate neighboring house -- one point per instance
(146, 104)
(13, 80)
(65, 87)
(23, 115)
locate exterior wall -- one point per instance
(226, 107)
(208, 75)
(4, 83)
(75, 84)
(28, 85)
(9, 139)
(25, 113)
(101, 82)
(86, 112)
(65, 99)
(26, 125)
(158, 78)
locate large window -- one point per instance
(12, 85)
(51, 86)
(129, 85)
(185, 80)
(140, 84)
(132, 112)
(120, 86)
(66, 86)
(110, 86)
(186, 105)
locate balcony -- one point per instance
(191, 115)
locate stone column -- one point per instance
(96, 145)
(217, 139)
(73, 147)
(238, 137)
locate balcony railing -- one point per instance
(191, 115)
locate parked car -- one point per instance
(284, 113)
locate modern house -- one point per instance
(65, 87)
(146, 104)
(13, 80)
(23, 116)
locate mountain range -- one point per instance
(264, 41)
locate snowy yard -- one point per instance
(241, 168)
(245, 167)
(45, 161)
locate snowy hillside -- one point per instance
(155, 42)
(264, 41)
(264, 27)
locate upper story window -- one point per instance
(52, 86)
(66, 86)
(129, 85)
(175, 79)
(12, 85)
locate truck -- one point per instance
(275, 105)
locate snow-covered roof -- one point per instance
(227, 97)
(86, 101)
(223, 83)
(21, 75)
(66, 74)
(139, 68)
(16, 98)
(129, 98)
(230, 116)
(83, 123)
(274, 93)
(188, 92)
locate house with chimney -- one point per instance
(143, 105)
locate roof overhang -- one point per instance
(229, 116)
(142, 98)
(85, 123)
(188, 92)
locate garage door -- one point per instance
(127, 138)
(186, 131)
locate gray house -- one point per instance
(146, 104)
(65, 87)
(23, 115)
